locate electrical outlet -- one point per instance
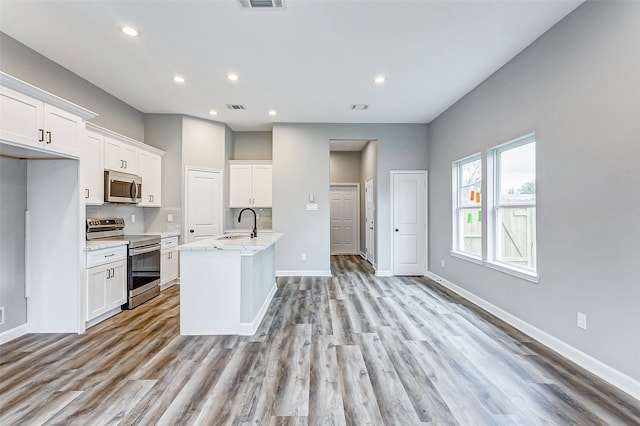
(169, 217)
(1, 315)
(303, 256)
(133, 218)
(582, 320)
(442, 263)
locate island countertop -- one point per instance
(261, 242)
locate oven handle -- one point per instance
(142, 250)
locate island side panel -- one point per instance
(258, 287)
(209, 292)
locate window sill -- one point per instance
(516, 272)
(467, 257)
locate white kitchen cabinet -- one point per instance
(106, 289)
(120, 156)
(169, 262)
(31, 122)
(91, 167)
(250, 185)
(150, 169)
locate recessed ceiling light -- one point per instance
(273, 112)
(232, 77)
(130, 31)
(379, 80)
(178, 79)
(213, 112)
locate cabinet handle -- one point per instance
(109, 255)
(87, 196)
(40, 135)
(122, 164)
(48, 137)
(108, 273)
(113, 272)
(125, 164)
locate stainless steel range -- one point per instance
(143, 264)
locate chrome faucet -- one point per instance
(254, 233)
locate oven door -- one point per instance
(144, 274)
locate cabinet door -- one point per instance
(112, 158)
(150, 168)
(164, 266)
(130, 156)
(21, 118)
(92, 166)
(117, 284)
(173, 265)
(63, 131)
(96, 291)
(240, 185)
(261, 184)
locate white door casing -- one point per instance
(409, 222)
(203, 204)
(345, 228)
(370, 226)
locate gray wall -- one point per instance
(368, 165)
(13, 203)
(302, 150)
(252, 146)
(203, 143)
(344, 166)
(26, 64)
(577, 87)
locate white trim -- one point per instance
(392, 175)
(14, 333)
(467, 257)
(516, 272)
(171, 283)
(250, 328)
(383, 273)
(252, 162)
(302, 273)
(609, 374)
(137, 144)
(350, 185)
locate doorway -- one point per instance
(370, 221)
(345, 218)
(409, 222)
(203, 204)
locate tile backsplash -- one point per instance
(264, 219)
(146, 219)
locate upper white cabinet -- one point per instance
(150, 169)
(120, 156)
(250, 184)
(32, 118)
(91, 166)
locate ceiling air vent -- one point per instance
(235, 106)
(359, 107)
(261, 4)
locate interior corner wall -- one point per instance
(302, 150)
(252, 146)
(21, 62)
(344, 166)
(164, 131)
(577, 88)
(203, 143)
(368, 170)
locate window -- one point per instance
(513, 209)
(467, 206)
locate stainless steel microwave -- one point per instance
(122, 187)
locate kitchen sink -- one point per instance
(231, 237)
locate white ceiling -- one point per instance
(309, 61)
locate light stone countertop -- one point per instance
(243, 244)
(165, 234)
(102, 244)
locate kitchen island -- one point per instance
(226, 284)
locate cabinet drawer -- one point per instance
(169, 242)
(108, 255)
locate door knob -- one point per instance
(191, 231)
(396, 229)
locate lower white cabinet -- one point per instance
(168, 262)
(106, 281)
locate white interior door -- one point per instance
(409, 198)
(204, 204)
(370, 209)
(344, 219)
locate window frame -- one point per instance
(494, 205)
(457, 206)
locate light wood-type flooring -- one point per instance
(352, 349)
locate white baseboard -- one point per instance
(103, 317)
(300, 273)
(250, 328)
(383, 273)
(14, 333)
(605, 372)
(169, 284)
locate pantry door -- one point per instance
(203, 204)
(345, 228)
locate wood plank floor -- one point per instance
(352, 349)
